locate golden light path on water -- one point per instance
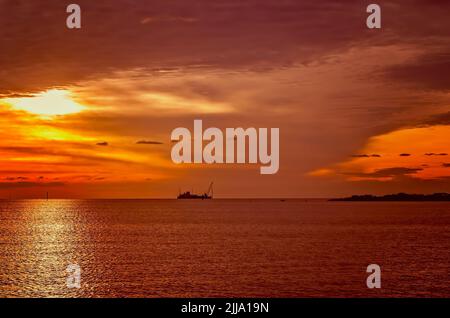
(49, 239)
(223, 248)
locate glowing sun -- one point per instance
(49, 103)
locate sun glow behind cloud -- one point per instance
(43, 146)
(142, 93)
(49, 103)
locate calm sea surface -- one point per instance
(170, 248)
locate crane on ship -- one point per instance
(207, 195)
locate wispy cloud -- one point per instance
(13, 185)
(148, 142)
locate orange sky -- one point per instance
(88, 113)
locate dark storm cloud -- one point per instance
(430, 71)
(446, 165)
(439, 119)
(388, 172)
(103, 143)
(164, 35)
(405, 155)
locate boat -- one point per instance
(204, 196)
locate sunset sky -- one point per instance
(88, 113)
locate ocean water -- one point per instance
(223, 248)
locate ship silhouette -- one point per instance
(189, 195)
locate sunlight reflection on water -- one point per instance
(152, 248)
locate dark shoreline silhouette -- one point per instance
(398, 197)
